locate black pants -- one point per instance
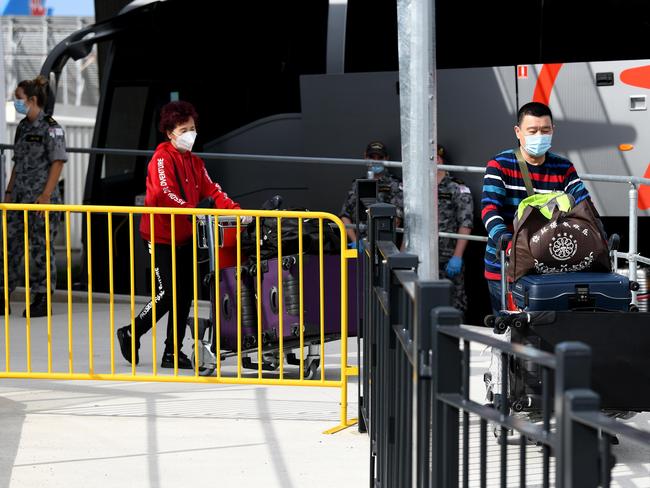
(184, 293)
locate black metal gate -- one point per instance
(415, 400)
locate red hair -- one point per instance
(175, 113)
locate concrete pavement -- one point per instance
(128, 434)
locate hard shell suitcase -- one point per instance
(311, 296)
(572, 291)
(229, 311)
(620, 361)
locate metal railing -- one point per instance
(634, 181)
(632, 256)
(253, 334)
(415, 400)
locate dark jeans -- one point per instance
(495, 295)
(184, 293)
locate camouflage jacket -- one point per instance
(37, 145)
(389, 190)
(455, 209)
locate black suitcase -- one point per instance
(620, 345)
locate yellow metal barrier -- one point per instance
(278, 349)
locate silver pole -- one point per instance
(417, 75)
(634, 195)
(465, 237)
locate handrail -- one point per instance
(233, 156)
(583, 176)
(285, 214)
(599, 421)
(529, 353)
(467, 237)
(322, 160)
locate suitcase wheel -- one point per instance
(207, 360)
(500, 325)
(311, 369)
(488, 321)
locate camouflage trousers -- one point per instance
(459, 296)
(37, 251)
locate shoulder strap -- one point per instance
(528, 183)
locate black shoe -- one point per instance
(183, 361)
(2, 303)
(124, 338)
(38, 307)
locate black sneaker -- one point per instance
(38, 307)
(2, 303)
(124, 338)
(183, 361)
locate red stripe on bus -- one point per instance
(545, 82)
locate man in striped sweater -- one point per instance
(504, 188)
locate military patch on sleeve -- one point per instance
(464, 189)
(55, 132)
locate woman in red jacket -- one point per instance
(175, 178)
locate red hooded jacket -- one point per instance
(170, 170)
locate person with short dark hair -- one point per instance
(175, 178)
(389, 188)
(504, 187)
(39, 155)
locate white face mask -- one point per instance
(185, 141)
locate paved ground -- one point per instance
(69, 434)
(101, 434)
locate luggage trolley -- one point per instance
(594, 308)
(271, 306)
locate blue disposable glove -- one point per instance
(454, 266)
(352, 245)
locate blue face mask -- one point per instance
(376, 168)
(538, 145)
(21, 107)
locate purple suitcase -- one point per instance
(311, 298)
(332, 294)
(228, 310)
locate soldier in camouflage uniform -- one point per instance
(389, 189)
(456, 214)
(39, 156)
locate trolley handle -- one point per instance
(502, 247)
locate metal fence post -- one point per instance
(573, 371)
(428, 295)
(366, 193)
(581, 455)
(447, 378)
(399, 371)
(633, 231)
(381, 227)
